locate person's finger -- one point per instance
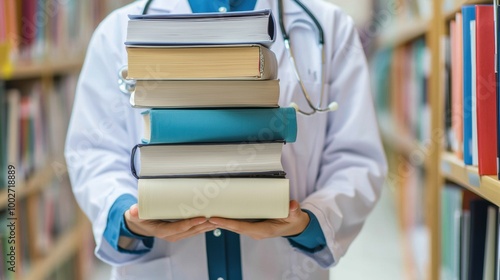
(191, 232)
(255, 230)
(134, 211)
(165, 229)
(294, 210)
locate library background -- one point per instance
(434, 84)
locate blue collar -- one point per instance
(209, 6)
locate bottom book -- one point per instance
(234, 198)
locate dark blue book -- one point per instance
(477, 238)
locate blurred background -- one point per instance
(415, 50)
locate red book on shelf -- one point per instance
(486, 90)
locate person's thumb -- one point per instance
(134, 212)
(294, 209)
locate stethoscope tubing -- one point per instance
(286, 38)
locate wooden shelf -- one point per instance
(67, 245)
(39, 181)
(403, 34)
(449, 15)
(44, 68)
(454, 170)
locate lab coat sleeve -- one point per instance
(353, 165)
(99, 138)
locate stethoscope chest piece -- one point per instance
(126, 86)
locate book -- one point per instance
(497, 253)
(451, 210)
(474, 92)
(486, 95)
(465, 231)
(448, 115)
(204, 160)
(241, 62)
(490, 243)
(233, 198)
(13, 127)
(457, 85)
(219, 125)
(477, 243)
(497, 65)
(3, 135)
(202, 28)
(468, 15)
(464, 243)
(209, 93)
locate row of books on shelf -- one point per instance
(401, 10)
(410, 191)
(37, 29)
(471, 88)
(33, 124)
(212, 144)
(39, 224)
(401, 77)
(470, 235)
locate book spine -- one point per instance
(497, 24)
(486, 96)
(229, 125)
(469, 14)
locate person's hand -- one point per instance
(294, 224)
(169, 231)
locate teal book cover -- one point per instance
(469, 14)
(219, 125)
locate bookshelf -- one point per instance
(36, 183)
(53, 237)
(67, 245)
(453, 169)
(439, 165)
(403, 34)
(48, 68)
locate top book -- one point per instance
(202, 28)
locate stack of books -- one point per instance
(214, 134)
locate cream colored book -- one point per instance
(209, 93)
(235, 198)
(240, 62)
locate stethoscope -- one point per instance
(127, 86)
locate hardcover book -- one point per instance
(241, 62)
(202, 28)
(219, 125)
(233, 198)
(208, 93)
(208, 159)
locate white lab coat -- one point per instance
(336, 167)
